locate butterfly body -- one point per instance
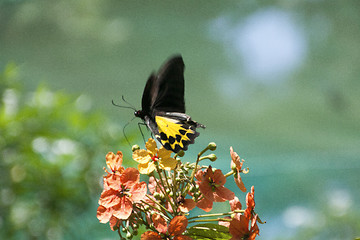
(163, 107)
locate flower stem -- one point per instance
(229, 173)
(217, 214)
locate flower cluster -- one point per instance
(174, 188)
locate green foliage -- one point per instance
(209, 231)
(51, 147)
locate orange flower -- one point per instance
(211, 185)
(118, 196)
(174, 231)
(239, 226)
(147, 158)
(236, 164)
(149, 235)
(205, 204)
(235, 204)
(114, 162)
(250, 203)
(114, 223)
(185, 205)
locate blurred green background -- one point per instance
(277, 80)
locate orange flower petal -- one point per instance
(219, 177)
(254, 228)
(129, 177)
(114, 223)
(225, 223)
(239, 182)
(159, 223)
(235, 204)
(109, 198)
(199, 175)
(250, 202)
(112, 181)
(103, 214)
(182, 237)
(187, 205)
(206, 189)
(205, 204)
(123, 209)
(149, 235)
(152, 185)
(235, 160)
(114, 162)
(222, 193)
(238, 228)
(178, 225)
(138, 191)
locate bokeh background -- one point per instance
(277, 80)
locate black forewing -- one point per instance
(167, 91)
(146, 101)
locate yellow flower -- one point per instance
(147, 158)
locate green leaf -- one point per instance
(208, 231)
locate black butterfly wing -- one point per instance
(148, 94)
(167, 93)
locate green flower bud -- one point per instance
(157, 195)
(212, 157)
(135, 147)
(212, 146)
(181, 153)
(129, 235)
(233, 167)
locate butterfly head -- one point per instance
(139, 114)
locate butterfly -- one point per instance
(163, 107)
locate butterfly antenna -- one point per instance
(131, 106)
(123, 98)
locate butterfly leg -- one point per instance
(142, 134)
(125, 133)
